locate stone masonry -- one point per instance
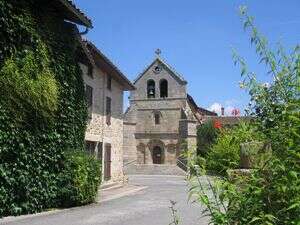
(161, 117)
(104, 134)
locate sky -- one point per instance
(196, 38)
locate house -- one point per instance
(161, 117)
(68, 11)
(104, 87)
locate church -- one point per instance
(162, 116)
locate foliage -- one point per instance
(206, 136)
(225, 153)
(80, 179)
(42, 106)
(29, 85)
(271, 193)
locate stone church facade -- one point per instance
(161, 117)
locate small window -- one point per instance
(163, 86)
(89, 99)
(157, 118)
(151, 89)
(109, 82)
(90, 147)
(108, 110)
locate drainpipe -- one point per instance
(103, 123)
(84, 32)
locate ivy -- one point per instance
(42, 106)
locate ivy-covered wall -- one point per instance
(42, 107)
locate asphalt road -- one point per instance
(147, 207)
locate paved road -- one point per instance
(147, 207)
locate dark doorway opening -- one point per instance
(157, 155)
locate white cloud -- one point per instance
(228, 107)
(216, 107)
(228, 110)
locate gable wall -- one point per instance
(175, 89)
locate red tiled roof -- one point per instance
(230, 120)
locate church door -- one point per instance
(157, 155)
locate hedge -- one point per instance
(80, 179)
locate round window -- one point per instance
(157, 69)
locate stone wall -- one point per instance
(176, 120)
(129, 143)
(170, 150)
(97, 129)
(176, 90)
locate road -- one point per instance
(147, 207)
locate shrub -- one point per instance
(225, 153)
(80, 179)
(207, 134)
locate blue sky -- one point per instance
(195, 37)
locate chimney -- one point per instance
(222, 111)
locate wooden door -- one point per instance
(107, 162)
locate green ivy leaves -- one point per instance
(42, 107)
(29, 84)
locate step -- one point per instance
(110, 185)
(155, 169)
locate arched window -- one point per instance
(163, 86)
(151, 89)
(157, 118)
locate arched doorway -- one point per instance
(157, 155)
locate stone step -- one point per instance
(155, 169)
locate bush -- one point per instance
(207, 134)
(80, 180)
(225, 153)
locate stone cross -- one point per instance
(158, 52)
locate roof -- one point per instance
(206, 112)
(175, 74)
(198, 112)
(230, 120)
(105, 64)
(70, 12)
(202, 111)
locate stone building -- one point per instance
(104, 86)
(161, 117)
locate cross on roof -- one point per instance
(158, 52)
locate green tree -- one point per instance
(271, 194)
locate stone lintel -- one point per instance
(93, 137)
